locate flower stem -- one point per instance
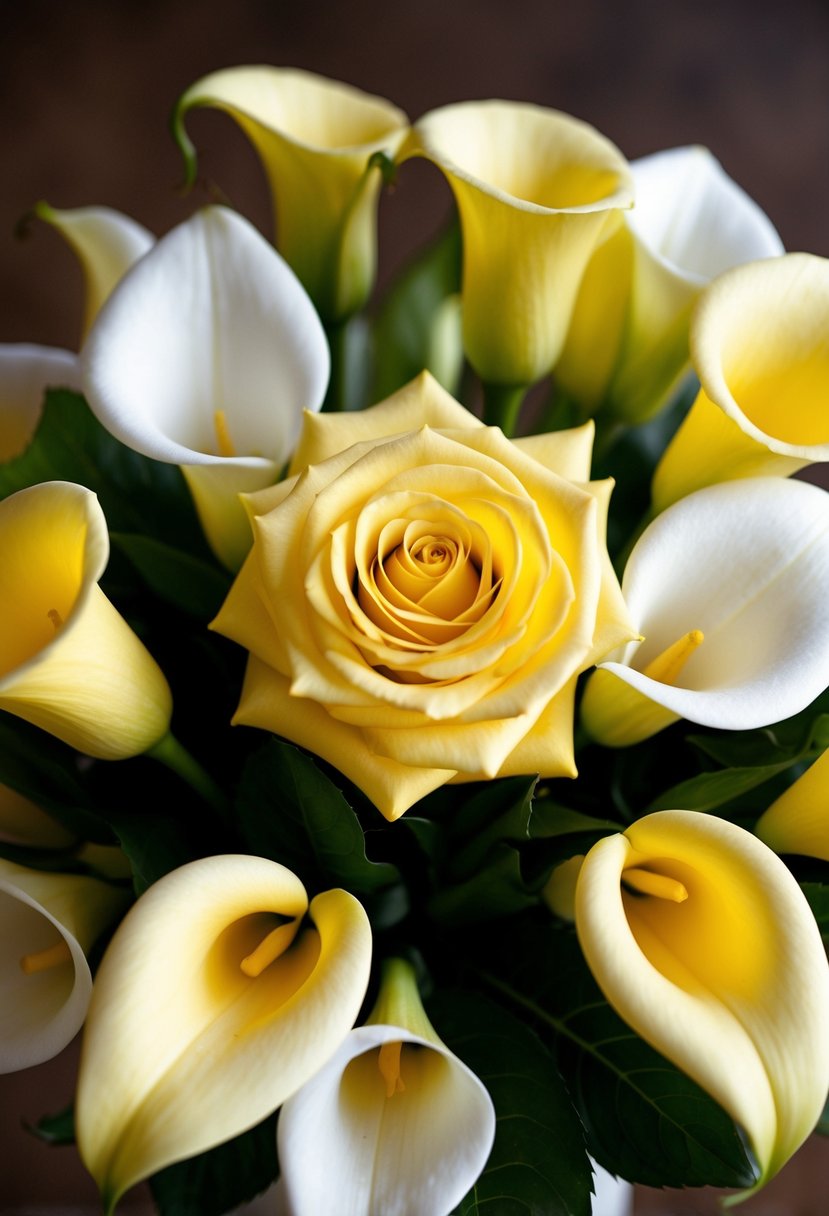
(169, 751)
(502, 405)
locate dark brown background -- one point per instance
(85, 91)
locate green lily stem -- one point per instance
(169, 751)
(502, 405)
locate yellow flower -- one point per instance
(316, 138)
(214, 1003)
(69, 662)
(50, 922)
(758, 345)
(798, 821)
(702, 941)
(421, 595)
(401, 1123)
(535, 190)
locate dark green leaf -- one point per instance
(55, 1129)
(291, 812)
(190, 583)
(785, 741)
(707, 791)
(538, 1165)
(223, 1178)
(645, 1120)
(501, 811)
(137, 494)
(407, 328)
(550, 819)
(497, 890)
(817, 893)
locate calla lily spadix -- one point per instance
(215, 1001)
(205, 356)
(798, 821)
(316, 139)
(403, 1126)
(728, 589)
(106, 242)
(535, 189)
(50, 922)
(26, 371)
(628, 342)
(69, 663)
(759, 347)
(702, 941)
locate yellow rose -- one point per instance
(421, 595)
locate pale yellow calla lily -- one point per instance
(69, 662)
(535, 190)
(22, 822)
(205, 356)
(49, 923)
(214, 1003)
(798, 821)
(759, 346)
(403, 1126)
(315, 138)
(627, 347)
(702, 941)
(728, 589)
(26, 371)
(106, 242)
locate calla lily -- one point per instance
(702, 941)
(26, 371)
(403, 1126)
(205, 356)
(107, 243)
(729, 589)
(23, 822)
(628, 341)
(758, 344)
(316, 139)
(50, 922)
(69, 662)
(534, 189)
(213, 1004)
(798, 821)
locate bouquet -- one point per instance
(412, 757)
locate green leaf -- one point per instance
(220, 1180)
(538, 1165)
(291, 812)
(190, 583)
(137, 494)
(645, 1120)
(414, 327)
(550, 819)
(502, 810)
(55, 1129)
(497, 890)
(707, 791)
(817, 893)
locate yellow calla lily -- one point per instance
(401, 1123)
(758, 344)
(798, 821)
(315, 138)
(702, 941)
(22, 822)
(50, 922)
(214, 1003)
(69, 662)
(627, 347)
(535, 190)
(106, 242)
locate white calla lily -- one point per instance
(26, 371)
(703, 942)
(628, 343)
(49, 923)
(215, 1002)
(106, 242)
(205, 356)
(404, 1127)
(728, 588)
(758, 345)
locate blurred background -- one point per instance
(86, 89)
